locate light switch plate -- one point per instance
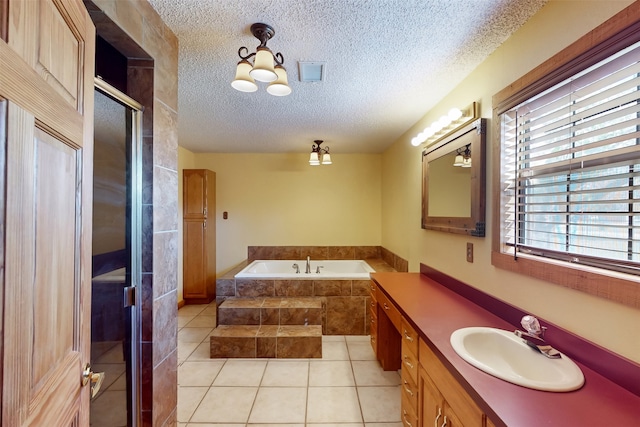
(469, 252)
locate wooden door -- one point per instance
(195, 260)
(195, 190)
(46, 121)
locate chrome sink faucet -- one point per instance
(534, 337)
(308, 269)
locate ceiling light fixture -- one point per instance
(446, 125)
(318, 152)
(262, 69)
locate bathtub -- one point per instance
(111, 276)
(329, 269)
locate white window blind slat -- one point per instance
(571, 168)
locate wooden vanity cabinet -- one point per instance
(373, 316)
(444, 402)
(199, 236)
(409, 374)
(388, 341)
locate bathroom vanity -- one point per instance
(412, 318)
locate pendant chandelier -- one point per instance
(263, 68)
(319, 153)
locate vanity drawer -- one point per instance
(409, 363)
(409, 417)
(389, 309)
(409, 336)
(409, 390)
(373, 289)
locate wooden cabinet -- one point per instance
(199, 236)
(373, 316)
(388, 335)
(444, 402)
(409, 375)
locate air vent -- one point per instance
(311, 72)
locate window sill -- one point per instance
(618, 287)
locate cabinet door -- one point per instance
(194, 277)
(194, 189)
(432, 407)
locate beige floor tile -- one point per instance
(333, 405)
(279, 405)
(326, 338)
(360, 350)
(185, 349)
(286, 373)
(193, 334)
(380, 404)
(275, 425)
(225, 405)
(334, 350)
(199, 373)
(202, 322)
(329, 373)
(398, 424)
(336, 425)
(357, 338)
(370, 373)
(192, 309)
(201, 352)
(184, 320)
(188, 400)
(241, 373)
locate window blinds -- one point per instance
(571, 168)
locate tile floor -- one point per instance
(345, 387)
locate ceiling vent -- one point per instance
(311, 72)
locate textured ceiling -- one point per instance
(387, 63)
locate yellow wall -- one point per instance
(606, 323)
(279, 200)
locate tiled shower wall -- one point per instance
(133, 26)
(345, 302)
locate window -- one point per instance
(570, 168)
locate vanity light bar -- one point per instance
(446, 125)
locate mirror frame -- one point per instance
(474, 134)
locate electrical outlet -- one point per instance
(469, 252)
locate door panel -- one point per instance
(46, 78)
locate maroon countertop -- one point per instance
(437, 311)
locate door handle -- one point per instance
(95, 378)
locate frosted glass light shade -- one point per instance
(326, 159)
(263, 70)
(314, 160)
(243, 81)
(459, 161)
(280, 87)
(466, 163)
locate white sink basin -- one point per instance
(504, 355)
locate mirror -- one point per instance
(453, 182)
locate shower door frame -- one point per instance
(134, 191)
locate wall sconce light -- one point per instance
(318, 153)
(446, 125)
(262, 68)
(463, 157)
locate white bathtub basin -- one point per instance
(504, 355)
(329, 269)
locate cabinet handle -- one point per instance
(373, 304)
(408, 389)
(406, 362)
(386, 307)
(407, 336)
(204, 224)
(205, 211)
(444, 424)
(404, 418)
(435, 422)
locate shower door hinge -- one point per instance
(129, 296)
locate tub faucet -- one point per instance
(308, 269)
(296, 267)
(534, 337)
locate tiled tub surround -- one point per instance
(344, 302)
